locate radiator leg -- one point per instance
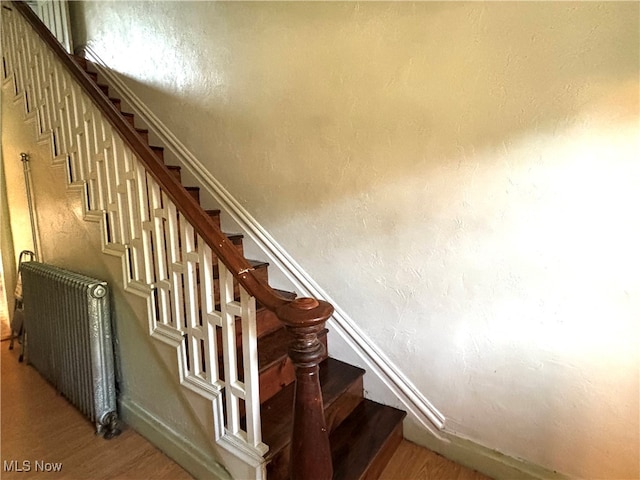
(22, 346)
(111, 426)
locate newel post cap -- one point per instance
(305, 312)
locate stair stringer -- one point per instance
(240, 458)
(355, 346)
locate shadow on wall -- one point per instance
(330, 100)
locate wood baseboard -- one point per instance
(480, 458)
(188, 456)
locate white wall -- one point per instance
(462, 178)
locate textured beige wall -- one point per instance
(7, 265)
(462, 178)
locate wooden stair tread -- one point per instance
(362, 445)
(336, 378)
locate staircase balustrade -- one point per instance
(170, 248)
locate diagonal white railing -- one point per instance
(190, 292)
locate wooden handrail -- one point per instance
(304, 317)
(185, 203)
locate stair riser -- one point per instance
(384, 455)
(144, 134)
(129, 117)
(363, 443)
(348, 401)
(237, 242)
(272, 378)
(159, 151)
(279, 375)
(236, 285)
(194, 192)
(261, 272)
(214, 215)
(266, 322)
(176, 172)
(81, 61)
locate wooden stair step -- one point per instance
(194, 192)
(104, 88)
(267, 322)
(81, 61)
(93, 75)
(214, 215)
(274, 365)
(175, 170)
(159, 151)
(129, 117)
(236, 239)
(144, 133)
(259, 267)
(116, 103)
(260, 270)
(341, 393)
(365, 441)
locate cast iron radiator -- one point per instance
(68, 339)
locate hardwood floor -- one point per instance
(38, 425)
(411, 462)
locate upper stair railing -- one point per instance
(170, 248)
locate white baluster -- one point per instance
(251, 376)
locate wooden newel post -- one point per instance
(310, 450)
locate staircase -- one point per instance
(290, 335)
(363, 434)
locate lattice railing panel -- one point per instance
(162, 255)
